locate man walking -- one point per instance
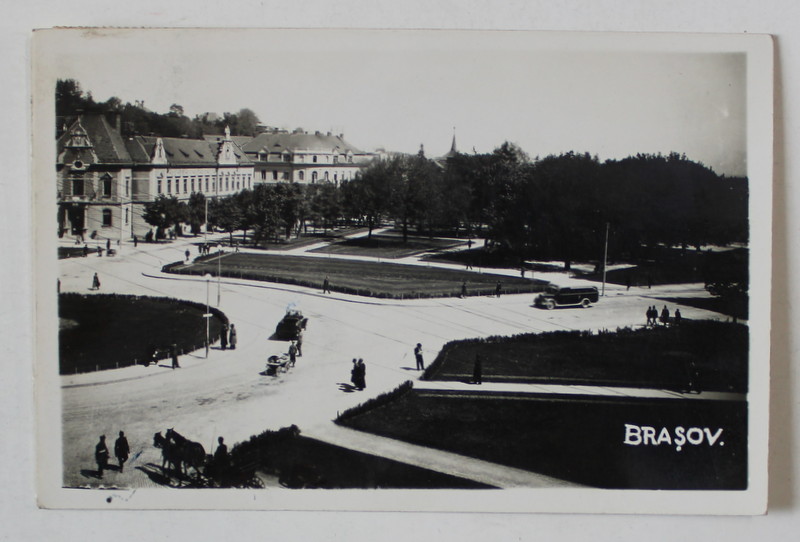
(300, 343)
(418, 356)
(174, 352)
(292, 354)
(121, 450)
(95, 282)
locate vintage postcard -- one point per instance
(402, 270)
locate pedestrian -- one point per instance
(477, 370)
(135, 241)
(292, 354)
(95, 282)
(300, 343)
(678, 317)
(121, 450)
(665, 315)
(85, 250)
(627, 282)
(187, 254)
(326, 286)
(174, 352)
(58, 286)
(464, 289)
(649, 281)
(223, 336)
(361, 375)
(648, 313)
(522, 272)
(354, 373)
(108, 245)
(233, 338)
(99, 251)
(221, 454)
(498, 289)
(101, 456)
(418, 356)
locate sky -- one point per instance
(609, 95)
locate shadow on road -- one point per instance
(347, 388)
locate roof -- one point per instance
(241, 141)
(181, 151)
(107, 143)
(299, 142)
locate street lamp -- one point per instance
(207, 315)
(219, 266)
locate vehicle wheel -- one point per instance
(549, 304)
(585, 303)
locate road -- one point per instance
(225, 394)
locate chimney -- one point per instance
(118, 122)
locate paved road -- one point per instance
(225, 394)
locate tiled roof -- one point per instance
(181, 151)
(107, 144)
(294, 142)
(241, 141)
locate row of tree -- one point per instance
(557, 207)
(136, 119)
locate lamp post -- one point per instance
(207, 315)
(605, 260)
(219, 268)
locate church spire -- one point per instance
(453, 146)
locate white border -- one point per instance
(751, 501)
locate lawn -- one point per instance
(388, 246)
(296, 460)
(367, 278)
(712, 355)
(110, 331)
(576, 438)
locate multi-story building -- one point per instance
(105, 179)
(302, 157)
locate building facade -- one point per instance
(302, 157)
(105, 180)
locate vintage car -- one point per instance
(290, 326)
(555, 296)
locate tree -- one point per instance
(196, 211)
(248, 121)
(163, 213)
(227, 213)
(176, 110)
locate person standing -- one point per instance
(418, 356)
(233, 338)
(174, 352)
(361, 374)
(354, 373)
(498, 289)
(99, 251)
(121, 450)
(464, 289)
(665, 315)
(101, 456)
(223, 337)
(108, 244)
(299, 343)
(292, 354)
(187, 253)
(135, 241)
(95, 282)
(221, 455)
(326, 285)
(477, 370)
(678, 317)
(647, 314)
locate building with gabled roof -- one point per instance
(303, 157)
(105, 179)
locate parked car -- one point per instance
(290, 326)
(555, 296)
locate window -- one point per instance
(192, 184)
(285, 175)
(326, 176)
(107, 217)
(263, 175)
(77, 187)
(313, 176)
(302, 175)
(335, 158)
(185, 184)
(127, 186)
(315, 158)
(126, 215)
(335, 177)
(169, 185)
(159, 186)
(274, 174)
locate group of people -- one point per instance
(121, 451)
(227, 337)
(653, 317)
(358, 374)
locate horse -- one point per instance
(190, 453)
(169, 453)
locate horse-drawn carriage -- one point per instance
(292, 324)
(179, 454)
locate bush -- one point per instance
(375, 402)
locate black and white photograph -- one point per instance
(402, 270)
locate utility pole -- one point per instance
(605, 260)
(207, 315)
